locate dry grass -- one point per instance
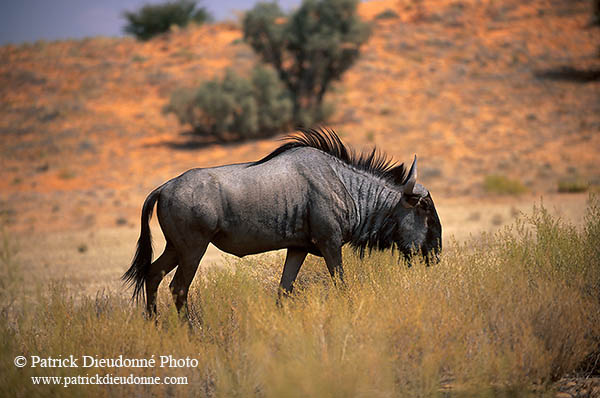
(507, 312)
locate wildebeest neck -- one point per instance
(374, 201)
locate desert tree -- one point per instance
(309, 48)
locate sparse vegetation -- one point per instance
(503, 313)
(154, 19)
(310, 48)
(502, 185)
(66, 174)
(387, 14)
(234, 108)
(138, 58)
(573, 185)
(497, 219)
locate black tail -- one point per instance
(137, 273)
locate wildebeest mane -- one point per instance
(326, 140)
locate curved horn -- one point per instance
(411, 180)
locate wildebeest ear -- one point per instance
(411, 179)
(398, 173)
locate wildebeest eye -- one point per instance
(409, 201)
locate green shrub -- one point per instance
(502, 185)
(310, 48)
(573, 185)
(274, 104)
(154, 19)
(387, 14)
(234, 108)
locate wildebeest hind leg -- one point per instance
(293, 262)
(159, 268)
(188, 264)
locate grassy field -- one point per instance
(505, 314)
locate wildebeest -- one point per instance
(310, 195)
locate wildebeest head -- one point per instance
(418, 225)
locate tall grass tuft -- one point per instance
(496, 316)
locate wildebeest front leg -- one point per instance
(333, 258)
(293, 262)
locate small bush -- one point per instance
(66, 174)
(154, 19)
(501, 185)
(234, 108)
(274, 103)
(573, 185)
(387, 14)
